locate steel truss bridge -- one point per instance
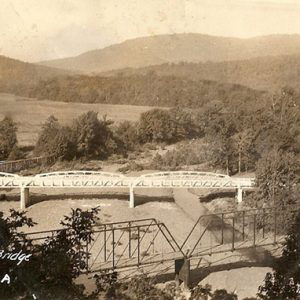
(106, 180)
(138, 244)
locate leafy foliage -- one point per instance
(55, 140)
(91, 135)
(156, 125)
(143, 89)
(54, 264)
(284, 282)
(263, 73)
(277, 179)
(126, 135)
(8, 137)
(88, 137)
(186, 154)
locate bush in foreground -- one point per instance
(284, 282)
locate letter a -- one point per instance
(6, 278)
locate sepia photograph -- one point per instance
(149, 149)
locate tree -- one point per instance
(156, 125)
(219, 128)
(281, 123)
(276, 178)
(55, 263)
(44, 144)
(220, 152)
(91, 135)
(63, 144)
(284, 281)
(126, 134)
(245, 148)
(8, 137)
(184, 125)
(55, 140)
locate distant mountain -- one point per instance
(17, 74)
(264, 73)
(155, 50)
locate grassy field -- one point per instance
(29, 114)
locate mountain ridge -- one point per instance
(188, 47)
(268, 73)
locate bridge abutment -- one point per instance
(25, 197)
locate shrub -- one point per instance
(16, 153)
(182, 155)
(131, 167)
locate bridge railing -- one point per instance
(79, 174)
(183, 174)
(21, 164)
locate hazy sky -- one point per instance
(34, 30)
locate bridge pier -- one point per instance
(131, 197)
(239, 195)
(182, 271)
(25, 197)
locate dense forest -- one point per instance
(183, 84)
(268, 73)
(149, 89)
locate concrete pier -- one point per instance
(131, 197)
(239, 195)
(25, 197)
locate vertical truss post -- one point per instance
(275, 225)
(222, 230)
(129, 239)
(233, 233)
(113, 247)
(87, 256)
(263, 223)
(243, 225)
(104, 243)
(138, 248)
(254, 229)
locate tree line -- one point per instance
(236, 136)
(147, 89)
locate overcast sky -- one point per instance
(34, 30)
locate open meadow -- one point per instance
(30, 114)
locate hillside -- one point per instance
(265, 73)
(15, 74)
(149, 89)
(155, 50)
